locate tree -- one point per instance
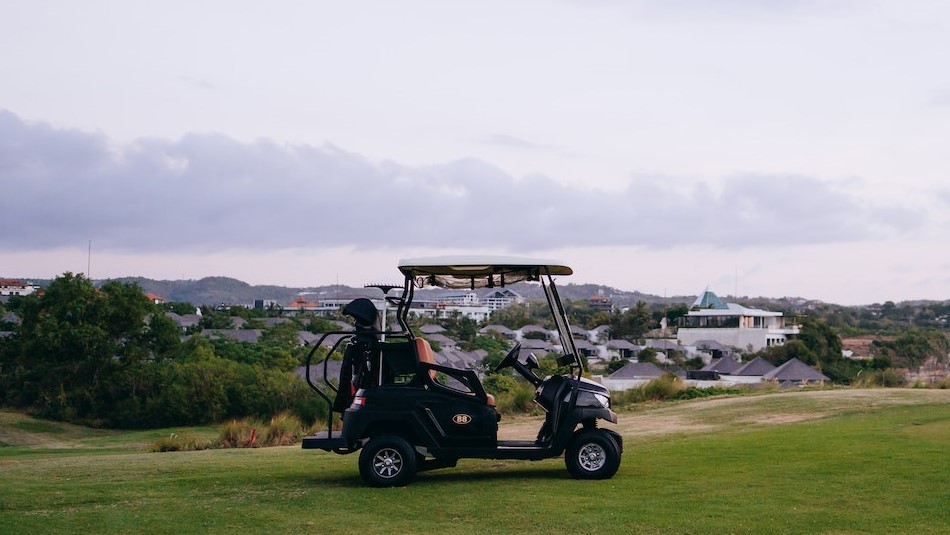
(633, 323)
(70, 342)
(648, 354)
(215, 319)
(797, 349)
(460, 327)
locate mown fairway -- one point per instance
(844, 461)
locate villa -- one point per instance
(733, 325)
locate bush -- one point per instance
(886, 378)
(520, 399)
(497, 384)
(240, 434)
(663, 387)
(283, 430)
(175, 442)
(693, 392)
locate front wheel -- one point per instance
(388, 461)
(592, 454)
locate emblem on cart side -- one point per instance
(462, 419)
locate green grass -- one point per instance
(824, 462)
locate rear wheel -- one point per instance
(388, 461)
(592, 454)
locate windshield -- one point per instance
(560, 320)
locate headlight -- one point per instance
(604, 400)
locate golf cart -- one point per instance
(408, 414)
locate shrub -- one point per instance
(886, 378)
(283, 430)
(663, 387)
(519, 399)
(175, 442)
(498, 384)
(240, 434)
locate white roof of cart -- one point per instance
(479, 271)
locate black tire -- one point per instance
(388, 461)
(592, 454)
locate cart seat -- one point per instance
(424, 350)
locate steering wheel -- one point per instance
(509, 359)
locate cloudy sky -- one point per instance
(781, 148)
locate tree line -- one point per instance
(109, 357)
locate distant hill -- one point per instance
(218, 290)
(230, 291)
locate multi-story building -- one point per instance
(733, 325)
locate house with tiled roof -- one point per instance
(724, 365)
(456, 358)
(795, 373)
(754, 368)
(528, 329)
(580, 333)
(444, 341)
(301, 304)
(600, 302)
(621, 349)
(431, 328)
(498, 329)
(184, 321)
(306, 338)
(10, 287)
(748, 373)
(632, 375)
(157, 299)
(714, 349)
(585, 348)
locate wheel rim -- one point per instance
(387, 463)
(592, 457)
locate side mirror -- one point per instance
(532, 362)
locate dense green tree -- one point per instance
(70, 341)
(792, 349)
(109, 356)
(648, 354)
(459, 327)
(633, 323)
(215, 319)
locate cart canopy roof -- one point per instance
(478, 271)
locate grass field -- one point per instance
(841, 461)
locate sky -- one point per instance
(785, 148)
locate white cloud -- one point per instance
(210, 192)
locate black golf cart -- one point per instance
(408, 414)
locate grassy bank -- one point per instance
(872, 461)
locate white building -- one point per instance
(499, 299)
(733, 325)
(15, 287)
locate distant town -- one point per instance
(704, 340)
